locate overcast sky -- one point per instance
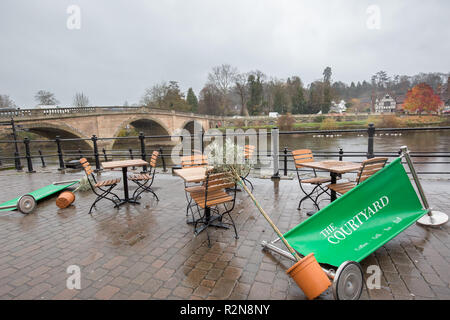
(123, 47)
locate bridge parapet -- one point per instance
(81, 111)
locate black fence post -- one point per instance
(202, 136)
(26, 141)
(60, 154)
(97, 160)
(143, 155)
(341, 154)
(131, 157)
(104, 155)
(17, 163)
(370, 133)
(162, 159)
(285, 161)
(42, 159)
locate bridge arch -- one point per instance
(149, 125)
(190, 123)
(51, 130)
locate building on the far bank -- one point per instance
(385, 104)
(444, 94)
(338, 107)
(389, 103)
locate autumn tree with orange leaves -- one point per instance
(422, 98)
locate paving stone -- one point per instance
(139, 252)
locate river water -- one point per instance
(417, 141)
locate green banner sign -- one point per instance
(362, 220)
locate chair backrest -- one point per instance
(219, 181)
(86, 166)
(153, 159)
(369, 167)
(248, 151)
(197, 160)
(302, 156)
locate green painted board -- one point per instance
(38, 194)
(362, 220)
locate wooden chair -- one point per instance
(144, 181)
(302, 156)
(105, 186)
(211, 196)
(196, 160)
(368, 168)
(248, 153)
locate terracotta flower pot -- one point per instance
(65, 199)
(309, 276)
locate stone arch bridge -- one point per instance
(104, 122)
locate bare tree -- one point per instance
(241, 88)
(80, 100)
(222, 77)
(6, 102)
(45, 98)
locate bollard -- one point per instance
(42, 159)
(97, 161)
(370, 133)
(162, 159)
(341, 154)
(60, 154)
(285, 160)
(26, 141)
(104, 154)
(274, 137)
(143, 155)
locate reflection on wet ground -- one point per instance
(148, 251)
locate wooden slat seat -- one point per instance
(106, 183)
(317, 180)
(140, 177)
(342, 187)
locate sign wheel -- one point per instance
(348, 282)
(26, 204)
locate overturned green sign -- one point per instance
(362, 220)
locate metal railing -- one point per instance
(279, 154)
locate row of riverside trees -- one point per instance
(230, 92)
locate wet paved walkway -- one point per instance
(147, 251)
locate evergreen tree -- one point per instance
(256, 93)
(191, 99)
(298, 101)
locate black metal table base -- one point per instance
(123, 201)
(212, 222)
